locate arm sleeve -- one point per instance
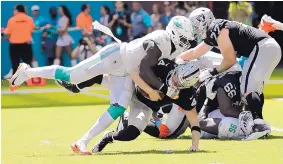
(147, 20)
(148, 62)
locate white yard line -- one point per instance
(276, 129)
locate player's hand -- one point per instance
(155, 95)
(193, 148)
(173, 92)
(163, 130)
(204, 74)
(179, 61)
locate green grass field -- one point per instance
(44, 135)
(39, 128)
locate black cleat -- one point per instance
(106, 139)
(69, 86)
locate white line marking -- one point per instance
(276, 129)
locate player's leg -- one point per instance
(176, 122)
(226, 106)
(106, 60)
(257, 70)
(76, 88)
(138, 120)
(121, 89)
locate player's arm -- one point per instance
(227, 51)
(194, 53)
(195, 128)
(153, 53)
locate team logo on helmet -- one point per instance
(200, 18)
(177, 23)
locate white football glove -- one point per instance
(204, 74)
(179, 61)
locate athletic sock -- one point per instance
(47, 72)
(101, 124)
(262, 100)
(90, 82)
(254, 104)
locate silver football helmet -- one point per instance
(184, 75)
(201, 19)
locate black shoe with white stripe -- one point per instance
(106, 139)
(69, 86)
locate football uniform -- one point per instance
(142, 107)
(262, 51)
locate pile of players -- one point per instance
(173, 73)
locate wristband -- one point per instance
(196, 128)
(214, 72)
(163, 88)
(157, 123)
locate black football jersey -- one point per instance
(243, 37)
(229, 81)
(186, 98)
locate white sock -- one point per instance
(101, 124)
(73, 62)
(34, 64)
(47, 72)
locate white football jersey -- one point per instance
(133, 52)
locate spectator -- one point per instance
(85, 49)
(241, 12)
(49, 36)
(141, 21)
(84, 20)
(65, 40)
(155, 17)
(53, 16)
(38, 20)
(120, 22)
(181, 9)
(104, 12)
(168, 14)
(19, 31)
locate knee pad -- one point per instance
(116, 111)
(62, 73)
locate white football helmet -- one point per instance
(201, 19)
(184, 75)
(181, 32)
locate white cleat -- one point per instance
(80, 148)
(246, 122)
(269, 25)
(260, 129)
(19, 77)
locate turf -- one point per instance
(43, 136)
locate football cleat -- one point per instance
(106, 139)
(80, 148)
(246, 122)
(69, 86)
(19, 77)
(268, 24)
(260, 130)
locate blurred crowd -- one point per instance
(127, 21)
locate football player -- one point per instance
(181, 78)
(236, 39)
(122, 62)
